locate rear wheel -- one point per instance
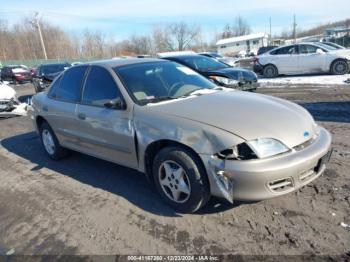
(340, 67)
(50, 142)
(270, 71)
(180, 179)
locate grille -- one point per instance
(281, 185)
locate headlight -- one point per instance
(266, 147)
(225, 80)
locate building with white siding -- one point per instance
(247, 43)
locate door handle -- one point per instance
(81, 116)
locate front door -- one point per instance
(309, 60)
(105, 132)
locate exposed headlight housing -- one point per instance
(238, 152)
(253, 149)
(266, 147)
(224, 80)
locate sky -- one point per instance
(122, 18)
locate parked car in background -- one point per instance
(220, 73)
(76, 63)
(264, 49)
(303, 58)
(224, 59)
(33, 72)
(15, 74)
(191, 138)
(46, 73)
(331, 44)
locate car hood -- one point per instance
(234, 73)
(6, 92)
(247, 115)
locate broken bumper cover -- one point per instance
(266, 178)
(7, 105)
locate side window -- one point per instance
(100, 87)
(70, 84)
(307, 49)
(288, 50)
(54, 86)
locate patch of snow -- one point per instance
(306, 79)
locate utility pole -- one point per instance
(37, 24)
(270, 32)
(294, 30)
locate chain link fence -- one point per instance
(37, 62)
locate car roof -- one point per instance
(182, 56)
(122, 62)
(54, 64)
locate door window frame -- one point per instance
(50, 95)
(116, 85)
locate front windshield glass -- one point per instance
(203, 63)
(152, 82)
(52, 69)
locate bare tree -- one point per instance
(238, 28)
(175, 37)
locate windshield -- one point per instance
(202, 63)
(158, 81)
(52, 69)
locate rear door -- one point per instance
(60, 109)
(309, 60)
(105, 132)
(286, 59)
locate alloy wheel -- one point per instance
(174, 181)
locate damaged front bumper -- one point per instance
(260, 179)
(11, 107)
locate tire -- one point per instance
(14, 81)
(340, 67)
(270, 71)
(193, 181)
(53, 147)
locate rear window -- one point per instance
(70, 85)
(287, 50)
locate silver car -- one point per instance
(190, 137)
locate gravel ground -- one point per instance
(83, 205)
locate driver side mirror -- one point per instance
(117, 103)
(319, 51)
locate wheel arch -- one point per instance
(153, 148)
(39, 120)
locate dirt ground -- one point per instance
(83, 205)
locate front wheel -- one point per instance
(50, 142)
(340, 67)
(181, 179)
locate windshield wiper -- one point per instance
(157, 99)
